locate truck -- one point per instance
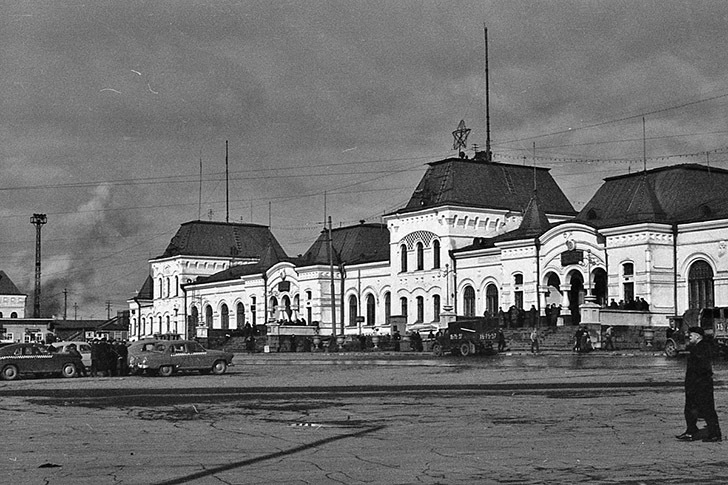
(467, 337)
(714, 321)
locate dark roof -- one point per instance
(7, 287)
(493, 185)
(77, 324)
(676, 194)
(533, 224)
(147, 290)
(362, 243)
(222, 239)
(269, 258)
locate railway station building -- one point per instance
(477, 237)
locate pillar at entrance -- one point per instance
(565, 302)
(447, 315)
(590, 316)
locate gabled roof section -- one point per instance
(269, 258)
(7, 287)
(147, 290)
(222, 239)
(533, 224)
(677, 194)
(363, 243)
(644, 205)
(492, 185)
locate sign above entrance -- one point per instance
(572, 257)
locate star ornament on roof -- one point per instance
(460, 136)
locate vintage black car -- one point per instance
(33, 358)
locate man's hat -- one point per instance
(698, 330)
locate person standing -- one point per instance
(534, 341)
(501, 340)
(699, 399)
(396, 337)
(609, 339)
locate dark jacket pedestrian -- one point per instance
(699, 399)
(396, 337)
(95, 364)
(577, 339)
(609, 338)
(501, 340)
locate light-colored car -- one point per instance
(83, 347)
(33, 358)
(165, 357)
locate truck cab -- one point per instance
(467, 337)
(714, 321)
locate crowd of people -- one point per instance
(639, 304)
(108, 357)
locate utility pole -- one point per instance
(65, 303)
(75, 311)
(38, 220)
(333, 287)
(108, 309)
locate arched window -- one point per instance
(403, 306)
(491, 299)
(286, 302)
(208, 316)
(353, 310)
(159, 320)
(273, 308)
(420, 256)
(628, 282)
(469, 301)
(176, 286)
(387, 307)
(168, 322)
(371, 310)
(168, 288)
(195, 316)
(142, 326)
(403, 258)
(224, 317)
(700, 282)
(436, 308)
(420, 309)
(14, 315)
(518, 290)
(253, 308)
(436, 254)
(240, 315)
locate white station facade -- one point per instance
(476, 237)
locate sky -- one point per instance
(114, 116)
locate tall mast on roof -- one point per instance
(227, 185)
(488, 153)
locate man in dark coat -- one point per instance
(699, 401)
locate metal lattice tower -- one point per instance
(38, 220)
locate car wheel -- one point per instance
(9, 373)
(437, 350)
(69, 370)
(465, 349)
(219, 367)
(165, 371)
(670, 349)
